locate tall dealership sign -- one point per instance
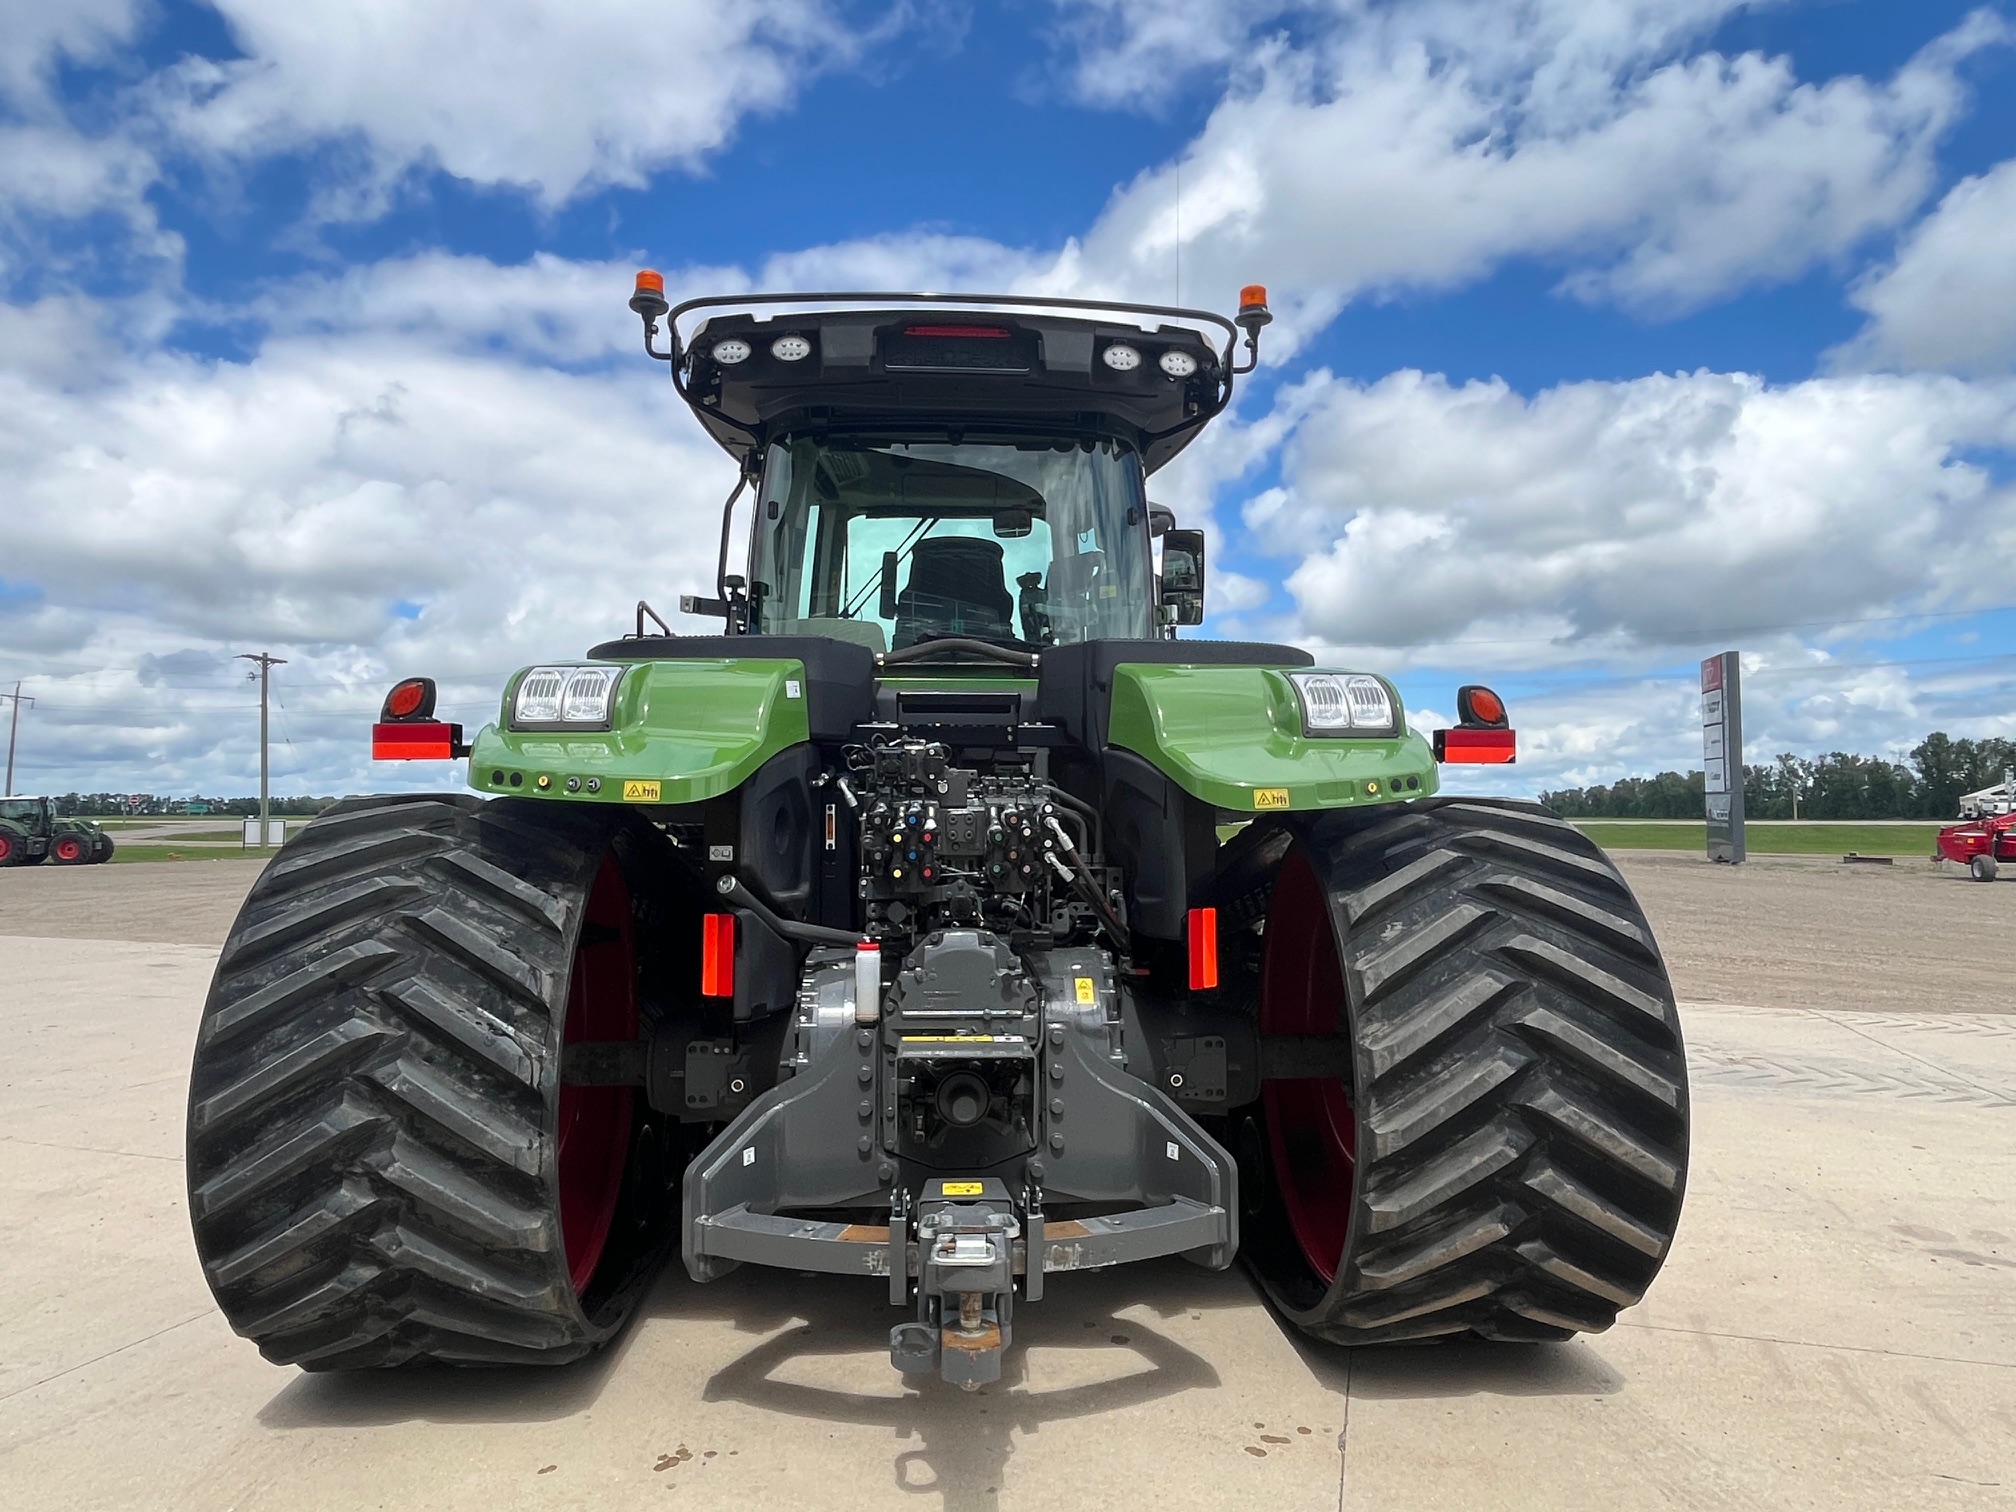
(1722, 754)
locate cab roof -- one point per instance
(756, 368)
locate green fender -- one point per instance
(680, 732)
(1232, 736)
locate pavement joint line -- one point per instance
(1826, 1017)
(1895, 1354)
(95, 1359)
(43, 1144)
(1344, 1438)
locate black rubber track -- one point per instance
(372, 1171)
(1517, 1078)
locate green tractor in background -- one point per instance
(31, 833)
(942, 921)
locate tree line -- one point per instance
(1838, 785)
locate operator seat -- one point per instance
(958, 586)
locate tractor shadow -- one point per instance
(958, 1446)
(817, 1355)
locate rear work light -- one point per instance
(1343, 703)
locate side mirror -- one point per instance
(1161, 520)
(1013, 524)
(1183, 576)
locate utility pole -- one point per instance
(264, 674)
(13, 730)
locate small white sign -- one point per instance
(1711, 707)
(720, 853)
(1717, 775)
(792, 689)
(1171, 1150)
(749, 1156)
(1711, 741)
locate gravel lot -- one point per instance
(1793, 931)
(1836, 1327)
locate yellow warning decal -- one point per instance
(962, 1189)
(1270, 798)
(1087, 992)
(640, 792)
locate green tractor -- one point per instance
(942, 920)
(30, 833)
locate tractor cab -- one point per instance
(978, 473)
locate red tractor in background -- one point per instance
(1986, 833)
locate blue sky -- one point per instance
(1613, 332)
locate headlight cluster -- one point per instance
(1343, 703)
(574, 697)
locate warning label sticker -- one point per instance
(1087, 991)
(640, 792)
(962, 1189)
(1270, 798)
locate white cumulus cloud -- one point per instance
(556, 99)
(1948, 301)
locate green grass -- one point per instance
(127, 853)
(1819, 838)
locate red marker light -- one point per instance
(1477, 747)
(416, 740)
(404, 701)
(981, 333)
(1203, 937)
(717, 955)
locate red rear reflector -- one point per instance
(1477, 747)
(417, 740)
(1203, 934)
(983, 333)
(717, 955)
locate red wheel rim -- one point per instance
(6, 847)
(1312, 1130)
(68, 850)
(594, 1132)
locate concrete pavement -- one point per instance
(1837, 1328)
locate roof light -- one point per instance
(1121, 357)
(790, 349)
(1177, 363)
(731, 351)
